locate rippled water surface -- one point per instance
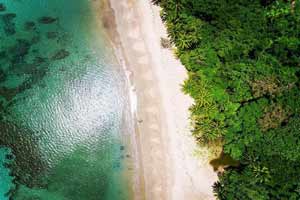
(62, 104)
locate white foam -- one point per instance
(132, 91)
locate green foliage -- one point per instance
(270, 166)
(243, 59)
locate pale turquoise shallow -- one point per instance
(62, 104)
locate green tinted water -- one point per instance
(6, 181)
(62, 104)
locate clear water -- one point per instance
(6, 182)
(62, 104)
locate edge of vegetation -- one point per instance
(243, 62)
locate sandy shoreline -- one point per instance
(168, 168)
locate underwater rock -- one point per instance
(35, 51)
(61, 54)
(47, 20)
(9, 25)
(27, 163)
(23, 47)
(8, 93)
(19, 69)
(20, 49)
(29, 26)
(2, 7)
(9, 157)
(2, 75)
(39, 60)
(2, 108)
(52, 35)
(35, 39)
(8, 17)
(2, 54)
(23, 68)
(10, 30)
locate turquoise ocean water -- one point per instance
(62, 104)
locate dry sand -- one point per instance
(169, 168)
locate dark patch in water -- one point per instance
(36, 75)
(47, 20)
(9, 16)
(61, 54)
(23, 68)
(19, 50)
(17, 59)
(28, 165)
(9, 157)
(15, 56)
(39, 60)
(29, 26)
(9, 25)
(2, 7)
(25, 60)
(2, 55)
(8, 93)
(35, 39)
(2, 76)
(52, 35)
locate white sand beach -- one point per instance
(169, 168)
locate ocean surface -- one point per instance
(63, 104)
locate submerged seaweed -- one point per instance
(49, 118)
(61, 54)
(8, 23)
(47, 20)
(28, 165)
(29, 26)
(2, 7)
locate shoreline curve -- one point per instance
(167, 167)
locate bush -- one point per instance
(243, 59)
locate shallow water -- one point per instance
(62, 103)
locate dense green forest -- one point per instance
(243, 59)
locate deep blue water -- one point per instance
(62, 104)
